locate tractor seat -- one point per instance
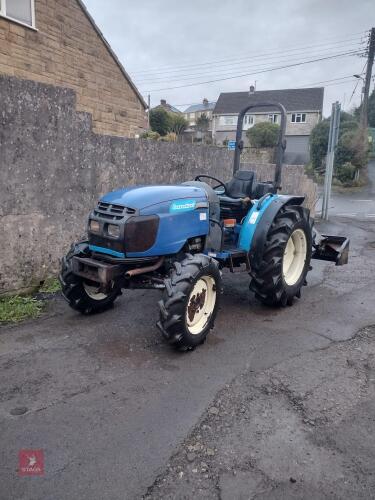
(241, 186)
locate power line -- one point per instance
(263, 57)
(328, 83)
(194, 76)
(248, 54)
(345, 54)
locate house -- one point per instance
(304, 111)
(193, 112)
(168, 107)
(58, 43)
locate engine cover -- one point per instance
(152, 220)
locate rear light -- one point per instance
(229, 222)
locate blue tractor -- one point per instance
(179, 238)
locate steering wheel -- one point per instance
(220, 183)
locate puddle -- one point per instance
(120, 349)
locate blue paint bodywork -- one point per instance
(183, 213)
(178, 208)
(108, 251)
(140, 197)
(252, 220)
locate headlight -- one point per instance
(113, 230)
(94, 226)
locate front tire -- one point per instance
(286, 258)
(83, 295)
(190, 302)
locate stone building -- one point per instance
(304, 111)
(193, 112)
(57, 42)
(167, 107)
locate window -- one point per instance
(273, 118)
(228, 120)
(298, 117)
(248, 120)
(19, 10)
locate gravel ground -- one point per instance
(301, 429)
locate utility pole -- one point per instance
(148, 111)
(366, 90)
(333, 137)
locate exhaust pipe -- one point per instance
(146, 269)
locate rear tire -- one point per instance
(286, 258)
(190, 302)
(83, 295)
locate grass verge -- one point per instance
(50, 285)
(15, 309)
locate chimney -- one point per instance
(205, 102)
(163, 102)
(252, 89)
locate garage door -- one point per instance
(297, 150)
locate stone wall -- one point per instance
(258, 155)
(67, 51)
(53, 168)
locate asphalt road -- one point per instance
(112, 406)
(359, 204)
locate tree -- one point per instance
(178, 124)
(263, 135)
(371, 110)
(319, 137)
(352, 148)
(160, 121)
(203, 123)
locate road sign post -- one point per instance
(333, 137)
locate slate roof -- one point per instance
(168, 107)
(200, 107)
(309, 99)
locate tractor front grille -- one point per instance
(109, 211)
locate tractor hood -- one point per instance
(140, 197)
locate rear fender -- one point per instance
(258, 221)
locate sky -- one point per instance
(165, 44)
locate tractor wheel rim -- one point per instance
(294, 257)
(200, 304)
(93, 292)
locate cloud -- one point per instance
(161, 34)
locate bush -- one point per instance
(352, 148)
(263, 135)
(345, 173)
(170, 137)
(319, 137)
(150, 134)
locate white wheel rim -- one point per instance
(200, 304)
(294, 257)
(93, 292)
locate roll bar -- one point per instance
(281, 142)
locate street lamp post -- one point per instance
(363, 88)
